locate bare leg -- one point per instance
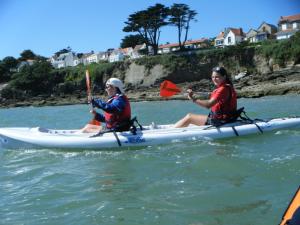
(190, 118)
(90, 128)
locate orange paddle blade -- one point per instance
(88, 82)
(168, 89)
(294, 205)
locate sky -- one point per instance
(47, 26)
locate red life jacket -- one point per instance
(112, 120)
(225, 107)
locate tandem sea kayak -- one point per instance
(38, 137)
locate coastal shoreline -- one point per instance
(250, 92)
(281, 82)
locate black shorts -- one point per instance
(214, 122)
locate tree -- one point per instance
(36, 79)
(148, 23)
(181, 16)
(27, 54)
(62, 51)
(10, 62)
(3, 73)
(132, 40)
(7, 65)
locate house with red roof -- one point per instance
(233, 36)
(190, 44)
(288, 26)
(230, 36)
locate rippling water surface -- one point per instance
(244, 181)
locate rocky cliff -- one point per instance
(260, 75)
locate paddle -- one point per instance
(293, 206)
(168, 89)
(89, 93)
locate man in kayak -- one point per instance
(117, 111)
(222, 102)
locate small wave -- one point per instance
(282, 159)
(288, 132)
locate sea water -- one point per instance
(240, 180)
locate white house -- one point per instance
(116, 55)
(233, 36)
(288, 26)
(127, 51)
(137, 51)
(96, 57)
(64, 60)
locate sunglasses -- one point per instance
(108, 86)
(220, 70)
(217, 69)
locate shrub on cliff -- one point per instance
(10, 92)
(295, 46)
(35, 79)
(282, 50)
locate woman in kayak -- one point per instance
(222, 102)
(117, 111)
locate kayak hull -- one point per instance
(27, 138)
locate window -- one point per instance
(283, 26)
(294, 25)
(229, 40)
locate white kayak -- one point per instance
(24, 138)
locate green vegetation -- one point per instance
(132, 40)
(282, 51)
(42, 79)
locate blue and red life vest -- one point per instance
(116, 118)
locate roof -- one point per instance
(137, 47)
(169, 45)
(291, 18)
(252, 30)
(238, 32)
(220, 35)
(270, 25)
(251, 33)
(196, 41)
(202, 40)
